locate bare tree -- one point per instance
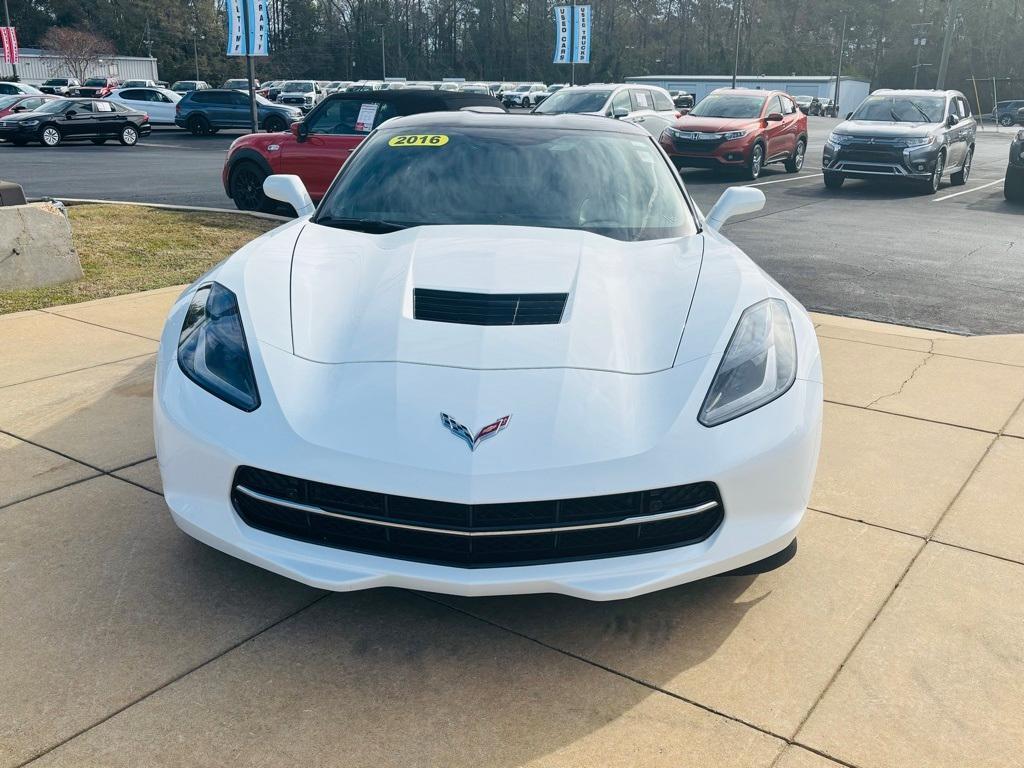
(75, 49)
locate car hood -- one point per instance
(878, 128)
(21, 116)
(352, 297)
(714, 124)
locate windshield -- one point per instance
(612, 184)
(300, 86)
(902, 109)
(523, 88)
(573, 101)
(236, 84)
(55, 81)
(729, 105)
(93, 82)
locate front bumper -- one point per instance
(14, 131)
(763, 464)
(704, 153)
(872, 160)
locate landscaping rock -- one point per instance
(35, 247)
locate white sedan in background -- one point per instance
(505, 354)
(158, 103)
(648, 106)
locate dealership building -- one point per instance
(36, 65)
(851, 90)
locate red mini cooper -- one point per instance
(739, 128)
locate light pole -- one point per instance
(383, 61)
(839, 65)
(736, 58)
(7, 16)
(947, 42)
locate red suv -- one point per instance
(739, 128)
(315, 148)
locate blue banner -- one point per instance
(581, 36)
(563, 34)
(258, 43)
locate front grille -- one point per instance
(293, 100)
(695, 145)
(867, 154)
(488, 308)
(476, 535)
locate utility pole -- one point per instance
(148, 41)
(736, 58)
(839, 65)
(383, 61)
(920, 41)
(7, 16)
(947, 43)
(250, 68)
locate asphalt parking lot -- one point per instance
(952, 261)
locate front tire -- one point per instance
(1013, 187)
(796, 162)
(525, 104)
(129, 136)
(1005, 120)
(960, 177)
(756, 163)
(246, 187)
(935, 181)
(50, 136)
(833, 180)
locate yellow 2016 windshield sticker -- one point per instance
(418, 140)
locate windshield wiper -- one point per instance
(924, 114)
(373, 226)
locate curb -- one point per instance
(162, 206)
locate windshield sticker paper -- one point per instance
(367, 114)
(418, 140)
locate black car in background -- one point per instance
(1013, 184)
(209, 110)
(1005, 112)
(61, 120)
(916, 135)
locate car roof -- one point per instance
(913, 92)
(433, 121)
(422, 99)
(749, 91)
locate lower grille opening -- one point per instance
(477, 535)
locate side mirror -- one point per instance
(17, 109)
(735, 201)
(288, 188)
(952, 120)
(300, 130)
(774, 117)
(620, 112)
(71, 113)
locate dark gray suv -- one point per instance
(209, 110)
(916, 135)
(1005, 112)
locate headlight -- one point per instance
(920, 141)
(31, 122)
(759, 364)
(839, 138)
(734, 135)
(212, 349)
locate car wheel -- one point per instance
(50, 136)
(1013, 187)
(960, 177)
(247, 188)
(833, 180)
(199, 125)
(129, 136)
(98, 142)
(1006, 120)
(274, 124)
(756, 162)
(796, 162)
(933, 183)
(525, 103)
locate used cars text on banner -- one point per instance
(9, 43)
(259, 28)
(563, 34)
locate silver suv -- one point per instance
(648, 106)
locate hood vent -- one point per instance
(488, 308)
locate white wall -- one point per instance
(34, 68)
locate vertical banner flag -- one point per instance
(563, 35)
(9, 43)
(259, 28)
(581, 36)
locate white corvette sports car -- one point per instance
(505, 354)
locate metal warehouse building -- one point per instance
(37, 65)
(851, 90)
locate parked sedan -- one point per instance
(1013, 185)
(61, 120)
(18, 89)
(467, 373)
(158, 103)
(13, 105)
(648, 106)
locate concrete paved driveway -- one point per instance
(895, 638)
